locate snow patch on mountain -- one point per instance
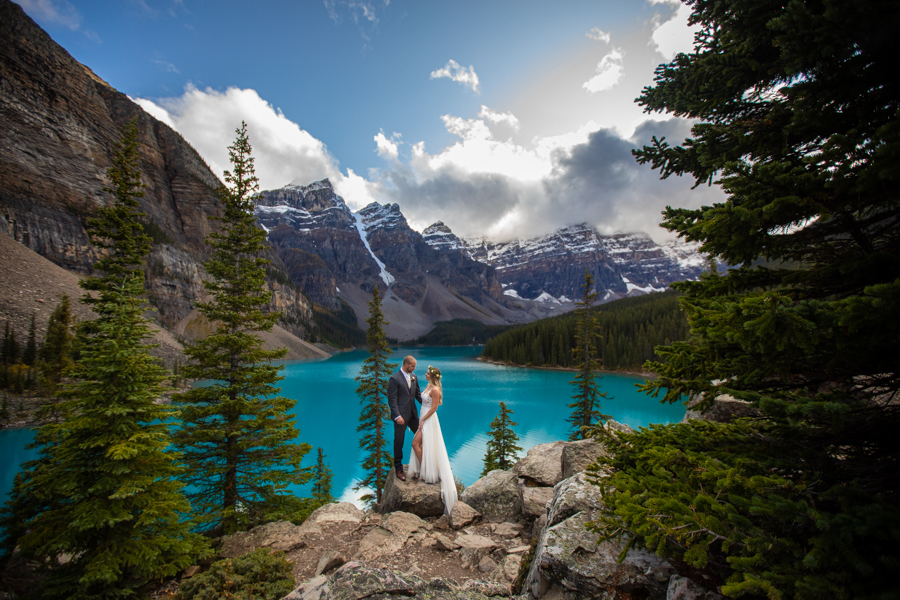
(360, 226)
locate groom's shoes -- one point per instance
(400, 474)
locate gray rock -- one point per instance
(542, 464)
(724, 409)
(474, 548)
(496, 495)
(534, 501)
(506, 530)
(317, 588)
(682, 588)
(402, 524)
(378, 542)
(462, 514)
(330, 560)
(576, 456)
(485, 588)
(355, 580)
(486, 565)
(280, 535)
(415, 497)
(445, 543)
(571, 496)
(443, 521)
(538, 527)
(570, 562)
(509, 568)
(338, 512)
(615, 426)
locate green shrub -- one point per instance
(257, 575)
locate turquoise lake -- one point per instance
(327, 410)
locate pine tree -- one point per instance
(58, 348)
(103, 490)
(10, 348)
(29, 356)
(374, 412)
(321, 489)
(586, 405)
(237, 434)
(502, 451)
(797, 119)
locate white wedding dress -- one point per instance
(435, 462)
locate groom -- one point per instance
(403, 387)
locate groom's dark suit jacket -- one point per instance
(402, 399)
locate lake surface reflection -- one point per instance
(327, 410)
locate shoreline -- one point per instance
(645, 374)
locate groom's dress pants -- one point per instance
(399, 436)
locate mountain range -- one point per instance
(334, 254)
(59, 123)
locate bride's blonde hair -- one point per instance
(436, 377)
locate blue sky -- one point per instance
(500, 118)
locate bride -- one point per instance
(429, 460)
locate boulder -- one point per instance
(724, 409)
(412, 496)
(474, 547)
(280, 535)
(682, 588)
(402, 524)
(338, 512)
(538, 527)
(617, 427)
(496, 495)
(355, 581)
(462, 514)
(571, 496)
(506, 530)
(542, 464)
(444, 543)
(509, 568)
(569, 561)
(377, 542)
(330, 560)
(534, 501)
(576, 456)
(486, 565)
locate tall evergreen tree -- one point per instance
(586, 405)
(502, 451)
(29, 355)
(374, 412)
(797, 115)
(58, 347)
(237, 434)
(10, 347)
(321, 489)
(103, 490)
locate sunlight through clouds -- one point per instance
(609, 72)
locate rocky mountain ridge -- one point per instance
(59, 123)
(336, 255)
(550, 268)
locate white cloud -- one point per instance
(499, 118)
(609, 72)
(598, 34)
(386, 148)
(455, 72)
(208, 118)
(165, 65)
(673, 35)
(57, 12)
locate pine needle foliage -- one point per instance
(502, 451)
(321, 489)
(236, 434)
(798, 119)
(586, 405)
(56, 353)
(374, 414)
(103, 491)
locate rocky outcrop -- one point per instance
(576, 456)
(413, 496)
(723, 409)
(496, 495)
(542, 464)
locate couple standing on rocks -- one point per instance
(429, 461)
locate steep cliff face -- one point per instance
(59, 123)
